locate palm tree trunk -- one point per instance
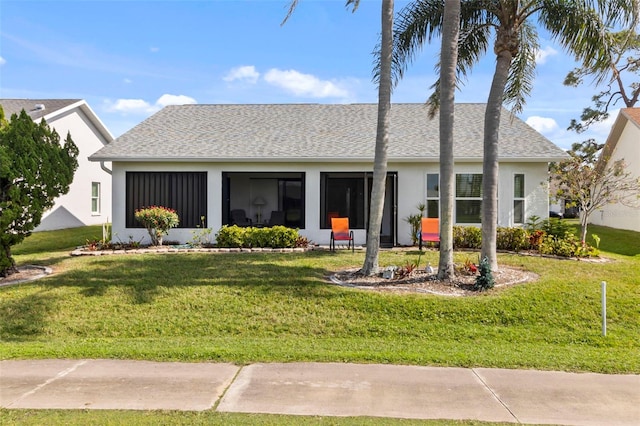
(370, 265)
(448, 61)
(490, 168)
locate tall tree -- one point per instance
(370, 265)
(35, 168)
(576, 25)
(590, 181)
(621, 75)
(384, 80)
(448, 58)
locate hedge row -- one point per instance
(553, 238)
(247, 237)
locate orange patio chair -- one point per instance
(429, 230)
(340, 232)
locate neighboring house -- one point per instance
(623, 143)
(88, 201)
(306, 163)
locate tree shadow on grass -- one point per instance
(25, 317)
(144, 276)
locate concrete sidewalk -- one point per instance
(518, 396)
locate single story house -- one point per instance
(623, 143)
(301, 164)
(88, 201)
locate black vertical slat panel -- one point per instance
(303, 214)
(204, 197)
(185, 192)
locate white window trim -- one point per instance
(456, 199)
(98, 199)
(523, 199)
(431, 198)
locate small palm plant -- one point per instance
(157, 220)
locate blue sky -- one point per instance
(128, 59)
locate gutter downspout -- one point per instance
(103, 167)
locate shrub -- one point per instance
(467, 237)
(230, 236)
(302, 242)
(247, 237)
(415, 221)
(535, 238)
(283, 237)
(485, 280)
(468, 268)
(513, 239)
(556, 227)
(157, 220)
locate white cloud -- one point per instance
(246, 73)
(167, 99)
(142, 107)
(135, 106)
(305, 85)
(154, 49)
(543, 54)
(127, 81)
(2, 61)
(542, 124)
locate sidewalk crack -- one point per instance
(226, 389)
(47, 382)
(495, 395)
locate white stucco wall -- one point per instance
(618, 215)
(411, 191)
(77, 202)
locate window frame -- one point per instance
(360, 178)
(519, 200)
(96, 199)
(460, 199)
(432, 198)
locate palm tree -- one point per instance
(370, 265)
(448, 58)
(576, 25)
(384, 80)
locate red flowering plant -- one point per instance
(157, 220)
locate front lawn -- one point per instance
(279, 307)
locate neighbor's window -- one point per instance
(468, 198)
(95, 197)
(518, 198)
(185, 192)
(433, 195)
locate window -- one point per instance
(518, 198)
(95, 197)
(468, 198)
(342, 195)
(185, 192)
(433, 195)
(283, 194)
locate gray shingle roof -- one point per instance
(312, 132)
(14, 106)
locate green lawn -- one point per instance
(277, 307)
(176, 418)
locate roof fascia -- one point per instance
(613, 138)
(315, 160)
(86, 109)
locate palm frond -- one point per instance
(415, 25)
(581, 31)
(522, 70)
